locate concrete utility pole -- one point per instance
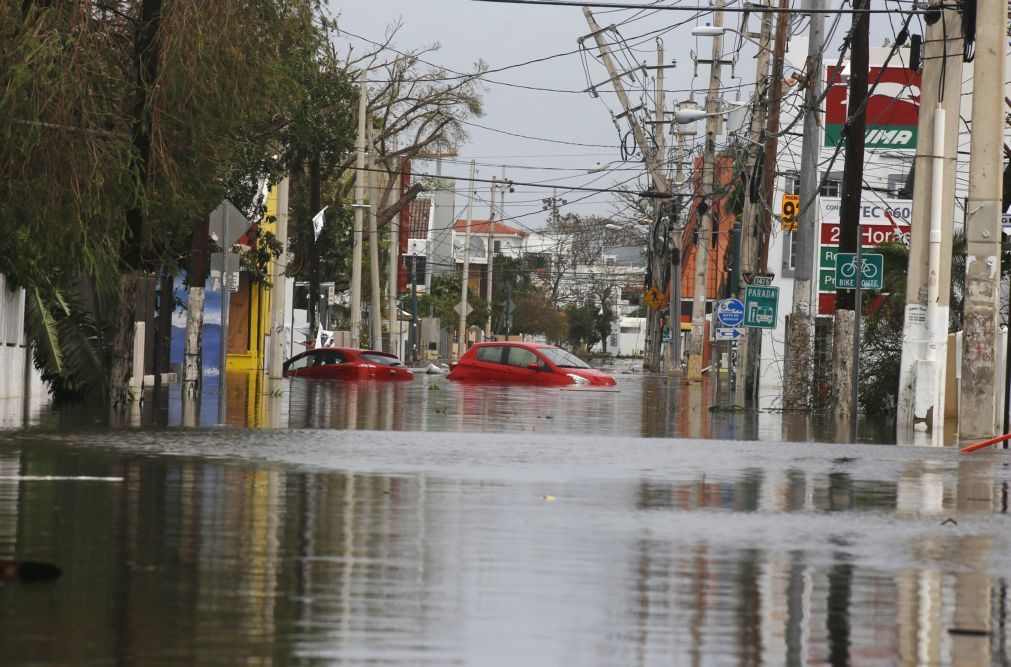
(979, 414)
(845, 347)
(749, 242)
(375, 309)
(653, 164)
(465, 277)
(703, 242)
(800, 329)
(924, 335)
(277, 290)
(490, 255)
(356, 254)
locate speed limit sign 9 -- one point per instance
(788, 212)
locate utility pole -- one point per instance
(979, 415)
(490, 256)
(799, 335)
(659, 138)
(704, 238)
(653, 165)
(391, 274)
(749, 249)
(924, 336)
(277, 290)
(465, 277)
(677, 226)
(356, 254)
(375, 309)
(847, 332)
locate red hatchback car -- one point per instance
(526, 363)
(343, 363)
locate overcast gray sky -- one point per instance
(503, 34)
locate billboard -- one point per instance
(893, 108)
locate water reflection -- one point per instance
(661, 556)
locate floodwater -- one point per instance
(434, 523)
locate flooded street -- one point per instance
(436, 523)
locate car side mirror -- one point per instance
(534, 366)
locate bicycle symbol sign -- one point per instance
(871, 270)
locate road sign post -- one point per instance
(761, 306)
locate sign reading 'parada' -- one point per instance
(893, 108)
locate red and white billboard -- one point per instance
(893, 108)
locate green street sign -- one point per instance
(871, 271)
(761, 306)
(827, 257)
(826, 280)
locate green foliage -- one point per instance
(69, 349)
(443, 297)
(587, 325)
(535, 314)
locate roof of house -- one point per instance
(481, 227)
(418, 213)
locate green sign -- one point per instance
(665, 336)
(871, 271)
(761, 306)
(827, 257)
(826, 279)
(877, 136)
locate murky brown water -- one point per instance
(389, 524)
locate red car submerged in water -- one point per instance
(526, 363)
(344, 363)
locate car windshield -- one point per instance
(561, 358)
(381, 359)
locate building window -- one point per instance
(498, 247)
(897, 186)
(832, 186)
(789, 250)
(792, 184)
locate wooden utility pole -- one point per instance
(846, 343)
(799, 332)
(924, 332)
(278, 307)
(375, 309)
(465, 277)
(703, 244)
(659, 266)
(356, 253)
(654, 166)
(391, 276)
(979, 413)
(749, 241)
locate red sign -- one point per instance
(893, 108)
(872, 236)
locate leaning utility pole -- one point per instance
(749, 241)
(703, 242)
(979, 413)
(356, 255)
(799, 332)
(375, 309)
(277, 289)
(924, 335)
(490, 256)
(465, 276)
(845, 344)
(650, 155)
